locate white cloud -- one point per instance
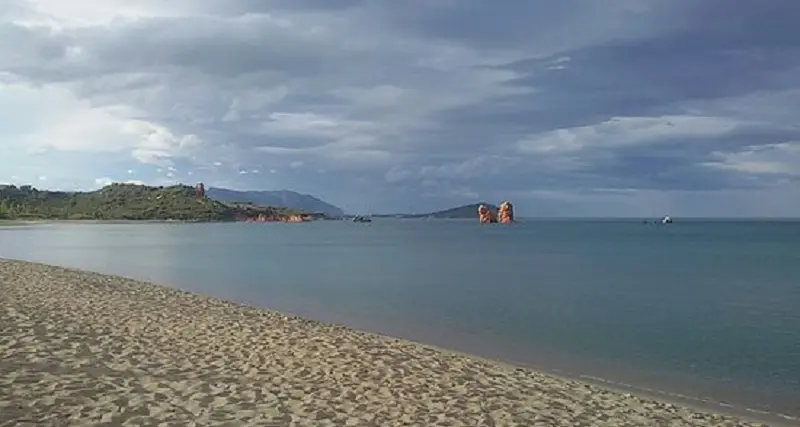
(253, 103)
(772, 109)
(66, 123)
(560, 63)
(432, 93)
(770, 159)
(622, 131)
(61, 122)
(104, 181)
(132, 91)
(469, 168)
(158, 145)
(86, 13)
(310, 124)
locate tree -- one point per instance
(125, 201)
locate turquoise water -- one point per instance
(703, 309)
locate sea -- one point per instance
(703, 311)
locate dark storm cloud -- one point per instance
(730, 52)
(707, 58)
(457, 98)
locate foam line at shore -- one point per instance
(84, 348)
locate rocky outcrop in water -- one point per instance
(485, 215)
(505, 212)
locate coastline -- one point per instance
(12, 222)
(180, 355)
(18, 222)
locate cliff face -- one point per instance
(259, 214)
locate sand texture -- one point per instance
(79, 348)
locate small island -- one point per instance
(459, 212)
(131, 202)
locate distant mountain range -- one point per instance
(465, 211)
(281, 198)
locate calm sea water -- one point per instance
(703, 309)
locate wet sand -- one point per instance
(79, 348)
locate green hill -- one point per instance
(459, 212)
(466, 211)
(285, 198)
(126, 202)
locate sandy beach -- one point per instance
(79, 348)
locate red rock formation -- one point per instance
(200, 190)
(505, 212)
(262, 218)
(485, 215)
(297, 218)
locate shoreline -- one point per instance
(119, 312)
(702, 404)
(681, 399)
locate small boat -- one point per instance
(666, 220)
(361, 219)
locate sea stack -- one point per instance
(485, 215)
(505, 212)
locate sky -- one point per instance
(567, 108)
